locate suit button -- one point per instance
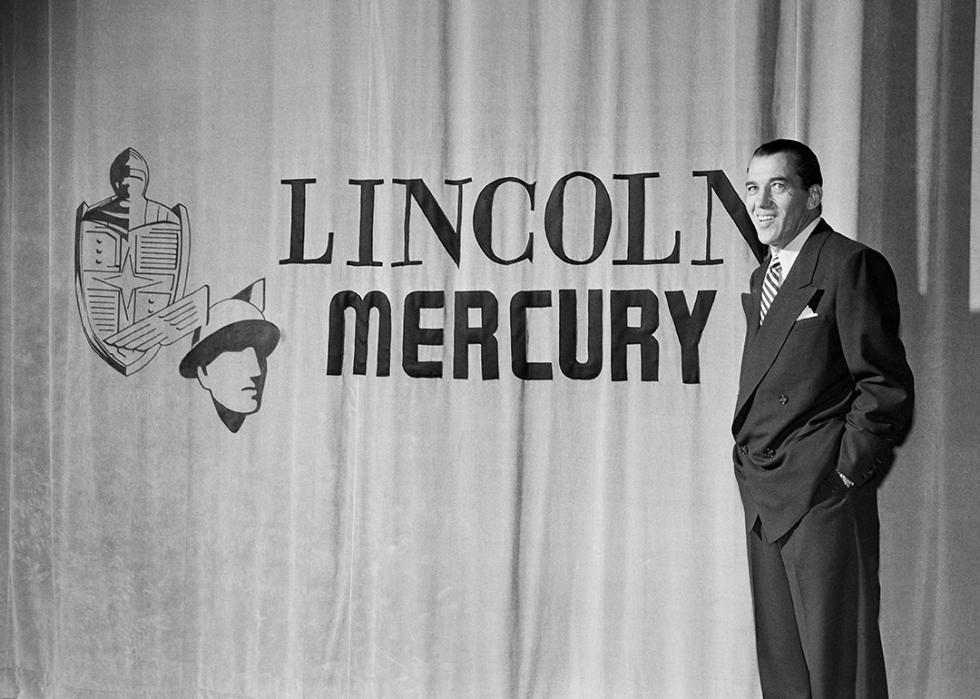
(783, 399)
(742, 449)
(769, 453)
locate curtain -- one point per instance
(494, 253)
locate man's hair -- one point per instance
(807, 166)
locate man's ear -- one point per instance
(814, 197)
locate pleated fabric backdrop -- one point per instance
(509, 473)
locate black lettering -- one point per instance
(568, 335)
(623, 335)
(365, 235)
(297, 227)
(483, 222)
(449, 237)
(636, 223)
(362, 309)
(413, 335)
(464, 335)
(719, 183)
(554, 219)
(689, 327)
(522, 368)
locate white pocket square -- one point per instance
(806, 314)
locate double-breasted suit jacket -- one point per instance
(824, 380)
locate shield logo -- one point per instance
(131, 258)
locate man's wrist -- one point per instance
(847, 481)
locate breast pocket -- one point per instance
(813, 342)
(810, 323)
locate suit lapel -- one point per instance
(752, 300)
(762, 344)
(750, 304)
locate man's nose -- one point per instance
(251, 360)
(765, 197)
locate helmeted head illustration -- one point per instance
(128, 208)
(229, 354)
(129, 174)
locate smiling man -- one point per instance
(825, 393)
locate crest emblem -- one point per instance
(131, 257)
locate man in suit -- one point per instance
(825, 393)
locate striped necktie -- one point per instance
(770, 286)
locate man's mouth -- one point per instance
(765, 218)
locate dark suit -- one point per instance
(824, 385)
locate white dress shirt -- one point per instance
(787, 255)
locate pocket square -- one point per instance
(807, 314)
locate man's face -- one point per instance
(777, 202)
(235, 379)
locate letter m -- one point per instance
(362, 311)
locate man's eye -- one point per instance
(751, 189)
(778, 186)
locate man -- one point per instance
(825, 393)
(229, 355)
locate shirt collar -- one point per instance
(787, 256)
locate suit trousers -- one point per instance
(816, 596)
